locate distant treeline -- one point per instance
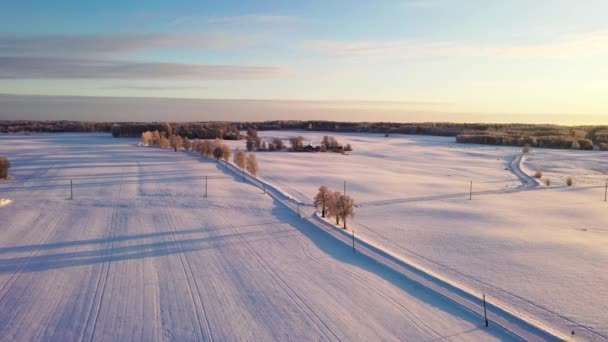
(550, 136)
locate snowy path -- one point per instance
(140, 254)
(515, 166)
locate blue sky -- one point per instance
(497, 58)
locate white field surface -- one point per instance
(140, 255)
(539, 252)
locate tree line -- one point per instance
(552, 136)
(334, 204)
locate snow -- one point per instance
(141, 254)
(538, 252)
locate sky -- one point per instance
(410, 60)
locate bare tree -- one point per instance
(163, 142)
(5, 164)
(297, 143)
(347, 208)
(334, 206)
(278, 143)
(187, 144)
(239, 158)
(226, 152)
(252, 164)
(322, 199)
(206, 148)
(176, 142)
(218, 153)
(147, 138)
(167, 129)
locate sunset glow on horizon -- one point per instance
(412, 60)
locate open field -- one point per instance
(140, 254)
(539, 251)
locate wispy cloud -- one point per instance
(99, 44)
(426, 4)
(579, 45)
(62, 68)
(255, 18)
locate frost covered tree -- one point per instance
(176, 142)
(322, 199)
(226, 152)
(252, 164)
(147, 138)
(278, 143)
(347, 208)
(187, 144)
(297, 143)
(206, 148)
(334, 206)
(218, 153)
(240, 158)
(5, 164)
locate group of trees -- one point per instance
(246, 161)
(255, 143)
(334, 204)
(206, 148)
(5, 164)
(328, 143)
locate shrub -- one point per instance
(538, 174)
(569, 181)
(548, 182)
(526, 149)
(5, 164)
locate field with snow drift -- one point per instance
(140, 254)
(539, 252)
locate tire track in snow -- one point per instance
(25, 195)
(33, 253)
(486, 284)
(411, 317)
(195, 296)
(291, 294)
(515, 166)
(105, 270)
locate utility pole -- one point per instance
(71, 191)
(206, 194)
(353, 241)
(485, 313)
(264, 186)
(606, 191)
(471, 192)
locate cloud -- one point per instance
(98, 44)
(254, 18)
(424, 4)
(572, 46)
(62, 68)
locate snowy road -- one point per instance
(140, 254)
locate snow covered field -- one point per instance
(139, 253)
(541, 252)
